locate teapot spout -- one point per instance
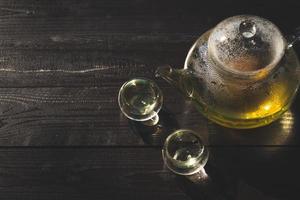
(168, 74)
(175, 77)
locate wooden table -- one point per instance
(62, 134)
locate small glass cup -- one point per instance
(184, 152)
(141, 99)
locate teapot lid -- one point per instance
(246, 44)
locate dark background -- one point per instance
(62, 134)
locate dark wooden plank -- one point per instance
(124, 26)
(78, 68)
(85, 174)
(121, 26)
(135, 173)
(77, 116)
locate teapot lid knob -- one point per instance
(247, 28)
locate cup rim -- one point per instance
(153, 113)
(172, 135)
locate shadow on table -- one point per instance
(264, 159)
(208, 184)
(260, 164)
(156, 135)
(211, 185)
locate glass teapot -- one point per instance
(241, 74)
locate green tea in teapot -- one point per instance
(239, 80)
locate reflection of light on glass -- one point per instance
(267, 107)
(133, 83)
(199, 177)
(279, 132)
(287, 121)
(223, 38)
(281, 135)
(273, 103)
(202, 174)
(190, 162)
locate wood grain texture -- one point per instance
(61, 66)
(135, 173)
(85, 174)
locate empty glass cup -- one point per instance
(140, 100)
(184, 152)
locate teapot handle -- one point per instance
(292, 39)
